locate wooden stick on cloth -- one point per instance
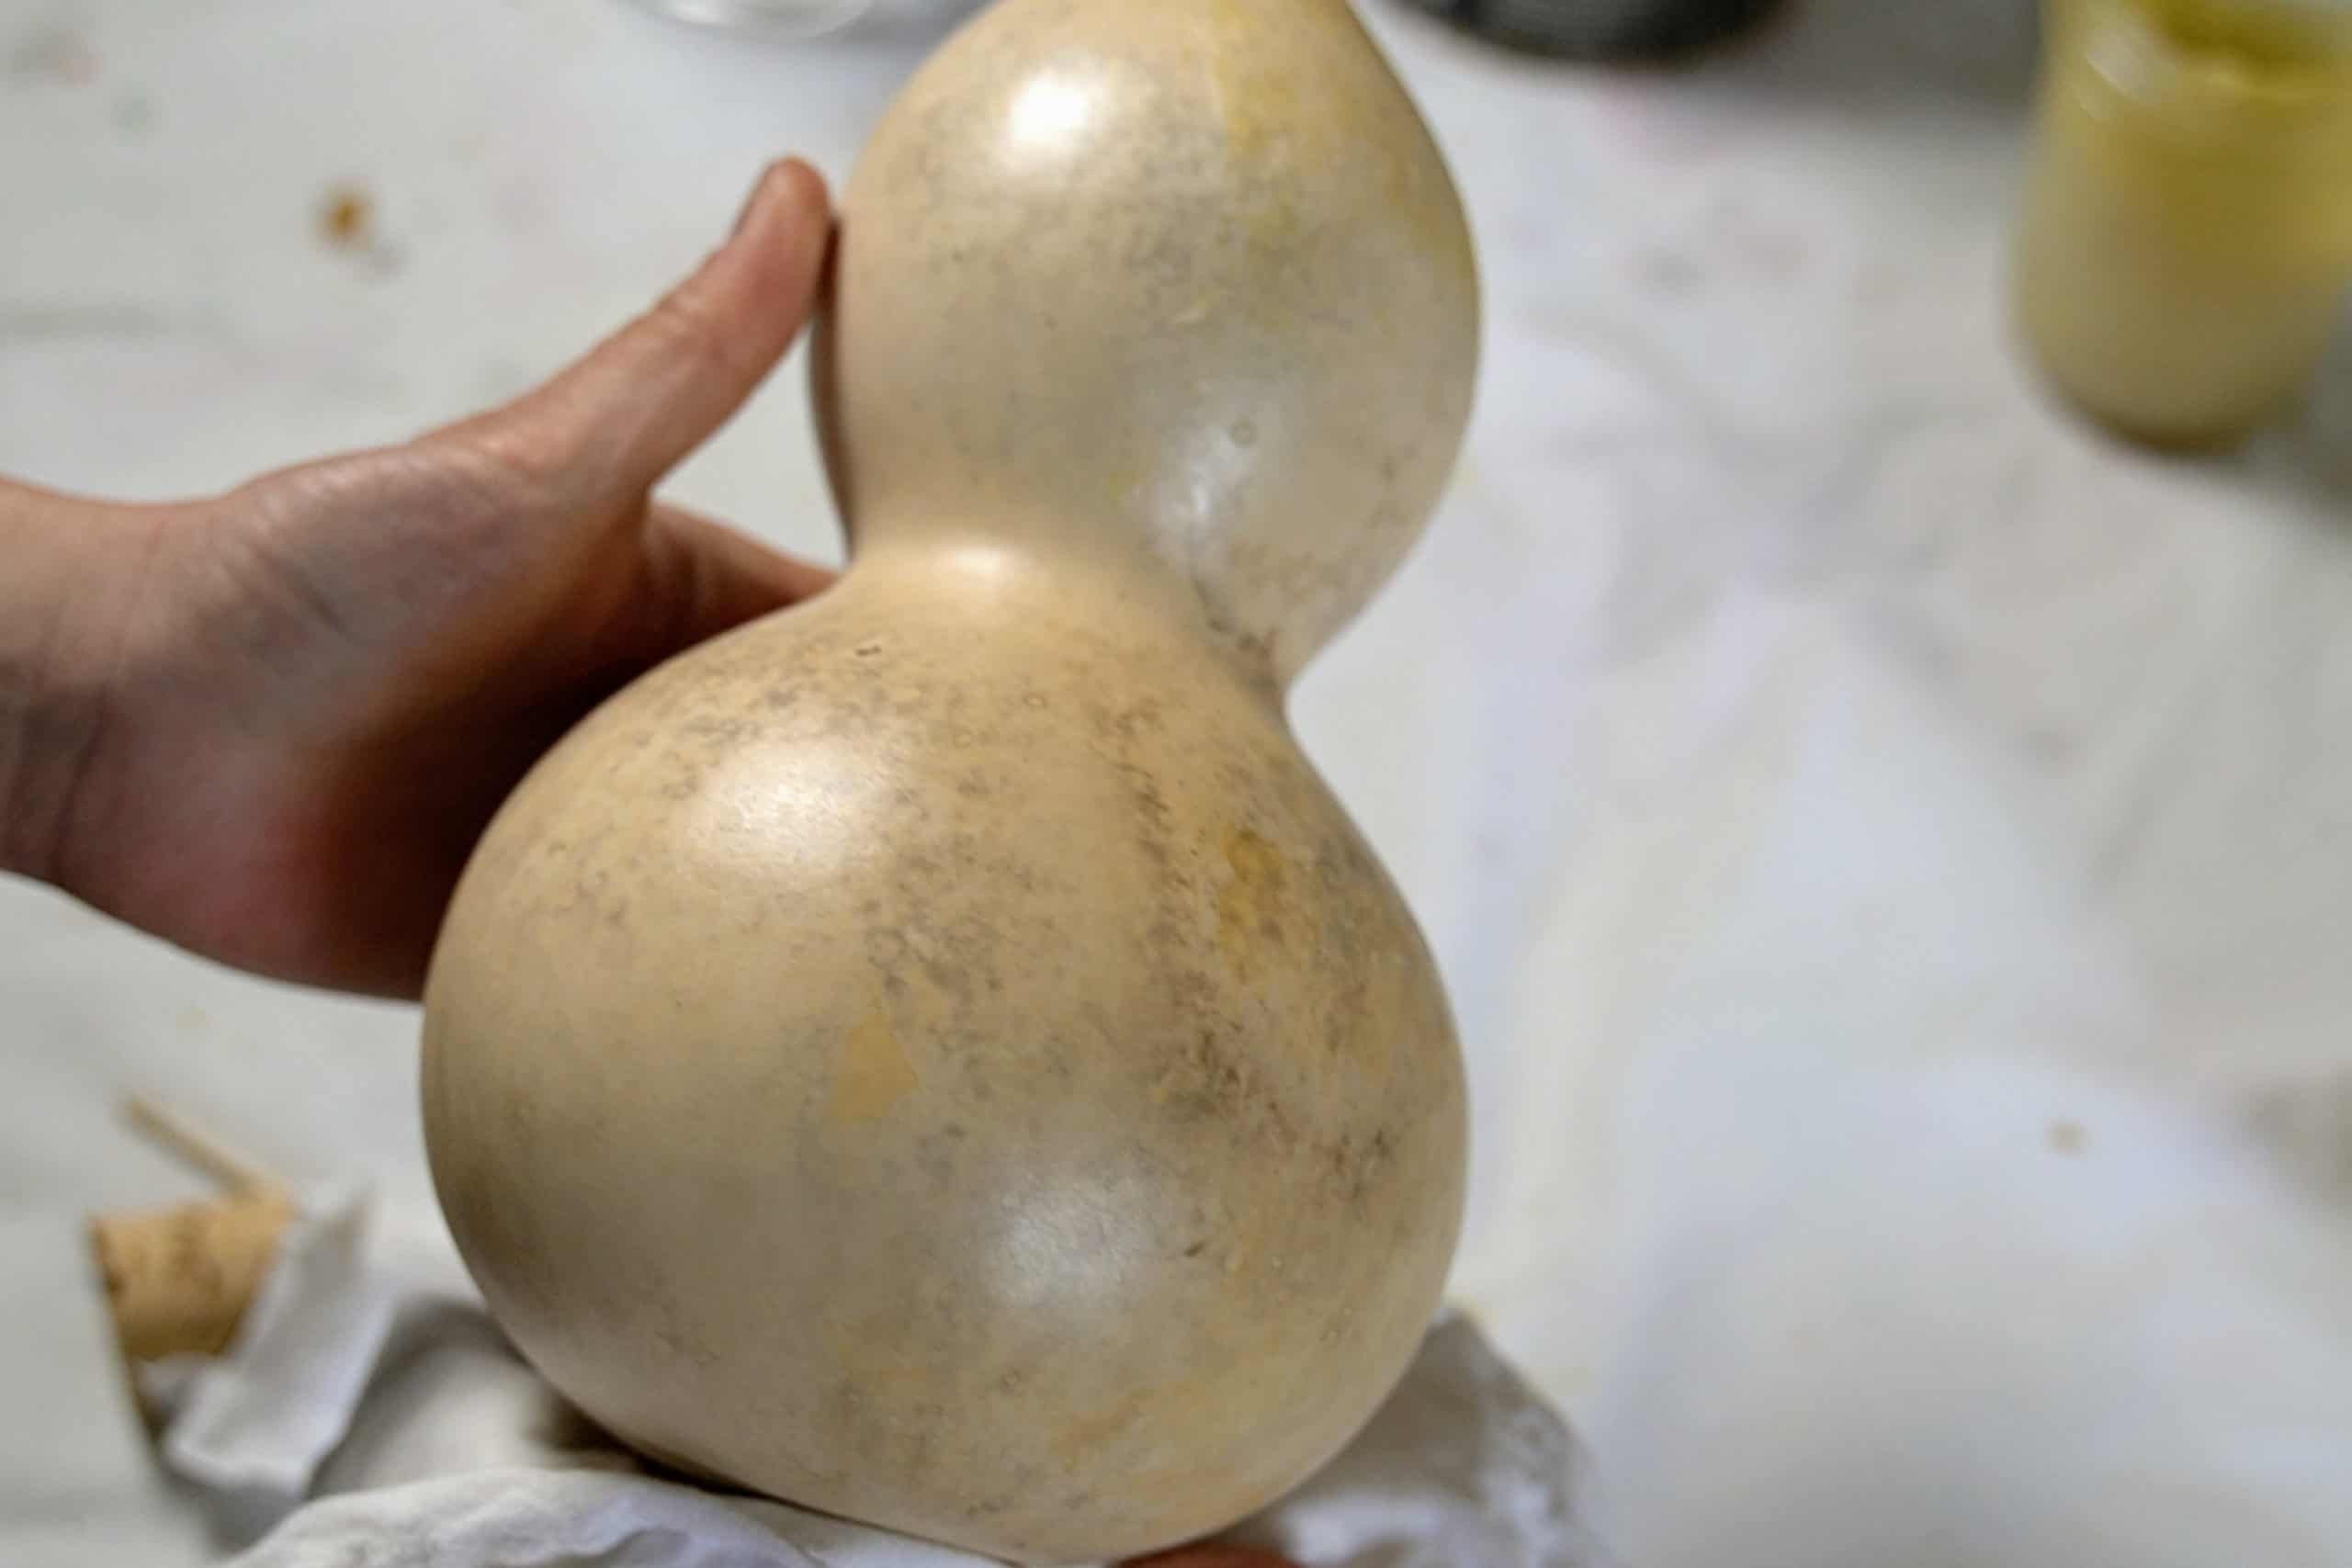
(205, 1153)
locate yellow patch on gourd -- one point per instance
(1250, 906)
(873, 1073)
(1283, 130)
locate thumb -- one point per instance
(616, 420)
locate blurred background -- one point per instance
(1889, 838)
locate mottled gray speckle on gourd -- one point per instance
(941, 1054)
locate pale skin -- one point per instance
(268, 726)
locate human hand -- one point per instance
(270, 726)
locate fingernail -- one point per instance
(751, 203)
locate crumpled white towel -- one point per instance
(255, 1424)
(371, 1410)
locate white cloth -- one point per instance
(373, 1415)
(257, 1423)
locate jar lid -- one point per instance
(2274, 73)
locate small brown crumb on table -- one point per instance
(346, 216)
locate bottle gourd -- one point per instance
(940, 1054)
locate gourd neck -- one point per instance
(980, 572)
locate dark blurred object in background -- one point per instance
(1602, 30)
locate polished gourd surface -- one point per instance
(941, 1054)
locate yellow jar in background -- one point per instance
(2186, 239)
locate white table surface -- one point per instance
(1892, 850)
